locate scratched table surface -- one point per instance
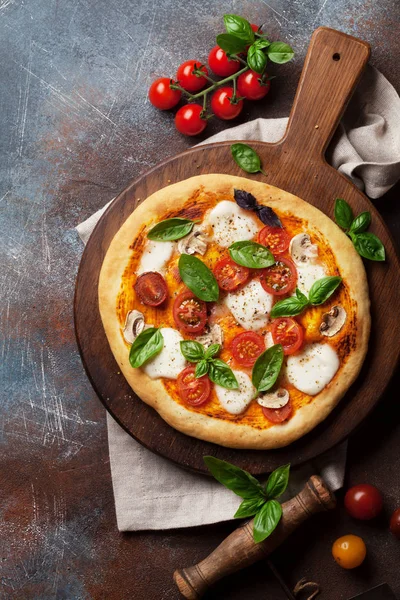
(76, 127)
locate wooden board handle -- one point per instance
(331, 71)
(239, 549)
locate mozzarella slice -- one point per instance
(250, 305)
(170, 361)
(236, 401)
(313, 368)
(155, 257)
(230, 224)
(309, 274)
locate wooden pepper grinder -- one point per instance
(239, 549)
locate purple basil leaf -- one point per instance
(267, 216)
(245, 199)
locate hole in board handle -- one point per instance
(336, 56)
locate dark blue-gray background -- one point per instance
(76, 127)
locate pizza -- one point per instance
(237, 310)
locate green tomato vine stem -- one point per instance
(211, 88)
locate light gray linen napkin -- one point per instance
(152, 493)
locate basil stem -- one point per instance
(170, 229)
(147, 344)
(198, 278)
(252, 255)
(267, 367)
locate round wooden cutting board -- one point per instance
(333, 66)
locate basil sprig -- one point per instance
(256, 57)
(218, 371)
(246, 158)
(319, 293)
(247, 201)
(198, 278)
(367, 244)
(267, 367)
(252, 255)
(258, 500)
(170, 229)
(147, 344)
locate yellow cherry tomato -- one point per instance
(349, 551)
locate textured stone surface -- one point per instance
(76, 127)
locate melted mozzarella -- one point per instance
(236, 401)
(230, 224)
(309, 274)
(250, 305)
(313, 368)
(155, 257)
(170, 361)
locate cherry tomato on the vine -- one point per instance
(249, 86)
(223, 107)
(162, 96)
(349, 551)
(255, 28)
(187, 79)
(188, 119)
(363, 501)
(221, 64)
(395, 523)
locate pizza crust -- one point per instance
(228, 433)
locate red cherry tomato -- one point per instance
(188, 119)
(249, 86)
(190, 313)
(194, 391)
(289, 333)
(187, 79)
(278, 415)
(363, 501)
(229, 274)
(247, 347)
(161, 96)
(255, 28)
(280, 278)
(275, 239)
(222, 106)
(395, 523)
(151, 288)
(221, 64)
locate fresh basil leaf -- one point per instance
(252, 255)
(268, 216)
(244, 199)
(289, 307)
(279, 52)
(246, 158)
(170, 229)
(221, 374)
(240, 482)
(249, 507)
(193, 351)
(302, 297)
(343, 213)
(277, 482)
(198, 278)
(147, 344)
(323, 289)
(231, 43)
(267, 368)
(369, 246)
(201, 368)
(266, 520)
(239, 27)
(361, 223)
(256, 58)
(213, 350)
